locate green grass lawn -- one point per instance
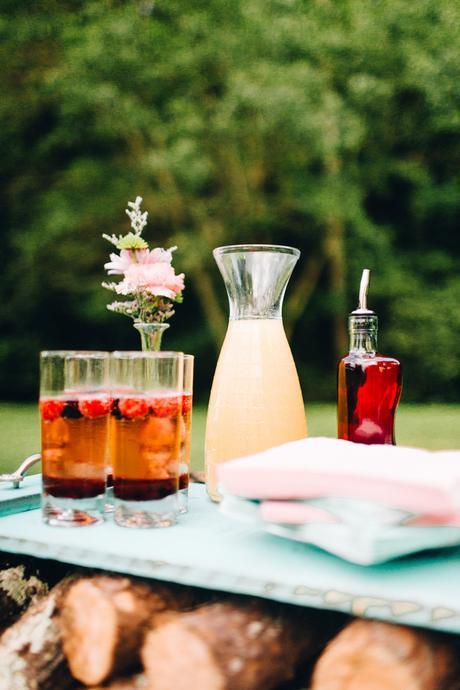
(427, 426)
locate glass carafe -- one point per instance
(256, 401)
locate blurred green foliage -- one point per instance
(331, 125)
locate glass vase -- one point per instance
(151, 335)
(256, 401)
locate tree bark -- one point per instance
(301, 292)
(210, 305)
(136, 682)
(370, 655)
(104, 619)
(31, 656)
(335, 253)
(234, 646)
(18, 590)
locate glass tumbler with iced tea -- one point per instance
(186, 433)
(145, 444)
(75, 405)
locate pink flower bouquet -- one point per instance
(149, 279)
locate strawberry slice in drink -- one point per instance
(133, 408)
(166, 405)
(51, 409)
(95, 407)
(187, 399)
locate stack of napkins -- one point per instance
(367, 504)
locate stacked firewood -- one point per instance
(92, 630)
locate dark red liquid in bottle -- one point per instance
(368, 384)
(369, 388)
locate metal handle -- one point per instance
(17, 476)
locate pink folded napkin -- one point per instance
(412, 479)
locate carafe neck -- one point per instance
(256, 277)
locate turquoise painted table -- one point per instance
(209, 550)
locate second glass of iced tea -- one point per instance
(146, 436)
(186, 433)
(75, 406)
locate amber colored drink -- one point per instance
(256, 401)
(146, 437)
(74, 445)
(185, 440)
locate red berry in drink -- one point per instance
(95, 407)
(51, 409)
(133, 407)
(186, 403)
(166, 406)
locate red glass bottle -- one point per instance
(368, 384)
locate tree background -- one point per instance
(330, 125)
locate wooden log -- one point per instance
(136, 682)
(234, 645)
(31, 656)
(371, 655)
(104, 619)
(18, 589)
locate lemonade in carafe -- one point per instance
(256, 401)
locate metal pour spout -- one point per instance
(362, 299)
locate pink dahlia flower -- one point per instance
(158, 279)
(158, 255)
(119, 263)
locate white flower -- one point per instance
(138, 219)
